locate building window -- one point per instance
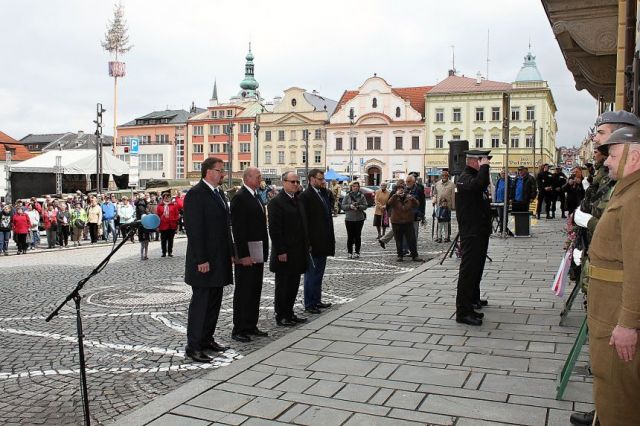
(245, 128)
(294, 102)
(317, 157)
(267, 157)
(495, 113)
(354, 143)
(211, 132)
(351, 113)
(374, 143)
(479, 143)
(515, 142)
(197, 131)
(212, 148)
(439, 142)
(267, 136)
(374, 104)
(124, 157)
(244, 164)
(456, 137)
(162, 138)
(225, 166)
(229, 113)
(228, 129)
(280, 157)
(495, 141)
(317, 134)
(398, 142)
(292, 135)
(196, 166)
(153, 162)
(528, 141)
(179, 158)
(245, 147)
(304, 157)
(531, 113)
(214, 129)
(280, 135)
(197, 148)
(398, 112)
(515, 113)
(145, 139)
(479, 114)
(415, 142)
(439, 115)
(457, 114)
(338, 144)
(214, 114)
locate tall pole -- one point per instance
(7, 169)
(506, 108)
(230, 153)
(115, 112)
(351, 120)
(98, 133)
(256, 131)
(534, 144)
(305, 133)
(541, 143)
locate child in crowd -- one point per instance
(444, 220)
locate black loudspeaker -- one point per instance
(457, 157)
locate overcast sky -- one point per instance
(54, 71)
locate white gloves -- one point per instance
(581, 218)
(577, 256)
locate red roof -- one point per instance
(19, 151)
(457, 84)
(415, 96)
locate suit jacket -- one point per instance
(321, 235)
(209, 238)
(472, 204)
(249, 223)
(288, 231)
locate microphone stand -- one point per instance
(75, 295)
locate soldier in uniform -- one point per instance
(545, 190)
(614, 287)
(474, 225)
(558, 180)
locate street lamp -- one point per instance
(256, 131)
(98, 133)
(230, 152)
(534, 143)
(352, 117)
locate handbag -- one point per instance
(79, 224)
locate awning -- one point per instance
(73, 162)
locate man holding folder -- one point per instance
(249, 226)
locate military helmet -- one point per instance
(624, 135)
(617, 117)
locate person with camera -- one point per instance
(78, 223)
(354, 205)
(474, 224)
(402, 206)
(574, 190)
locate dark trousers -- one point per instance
(93, 232)
(354, 232)
(203, 316)
(285, 294)
(558, 196)
(21, 241)
(166, 241)
(124, 230)
(313, 281)
(246, 297)
(63, 234)
(547, 197)
(474, 255)
(405, 231)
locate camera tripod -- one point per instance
(451, 249)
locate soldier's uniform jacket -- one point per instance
(472, 203)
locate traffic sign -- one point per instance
(135, 146)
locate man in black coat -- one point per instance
(318, 208)
(249, 225)
(523, 190)
(208, 260)
(559, 180)
(473, 211)
(289, 248)
(545, 190)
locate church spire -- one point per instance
(249, 85)
(214, 97)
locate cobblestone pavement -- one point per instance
(134, 316)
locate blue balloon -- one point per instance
(150, 221)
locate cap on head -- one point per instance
(478, 153)
(630, 134)
(618, 117)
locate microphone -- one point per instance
(148, 221)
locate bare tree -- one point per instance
(116, 39)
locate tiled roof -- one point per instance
(346, 97)
(20, 152)
(457, 84)
(320, 103)
(77, 141)
(415, 96)
(44, 138)
(174, 116)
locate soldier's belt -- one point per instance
(605, 274)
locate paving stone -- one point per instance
(381, 396)
(265, 407)
(249, 377)
(325, 388)
(474, 381)
(295, 384)
(367, 420)
(404, 399)
(339, 404)
(233, 419)
(391, 384)
(497, 362)
(356, 392)
(272, 381)
(483, 410)
(171, 420)
(429, 375)
(382, 371)
(445, 357)
(424, 418)
(199, 413)
(249, 390)
(322, 416)
(343, 366)
(344, 347)
(291, 360)
(220, 400)
(312, 344)
(294, 411)
(379, 351)
(487, 342)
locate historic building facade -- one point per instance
(471, 109)
(377, 132)
(298, 120)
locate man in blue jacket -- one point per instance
(108, 215)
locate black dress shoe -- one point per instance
(312, 310)
(469, 319)
(382, 244)
(323, 305)
(417, 259)
(163, 255)
(483, 302)
(240, 337)
(285, 322)
(582, 418)
(478, 315)
(298, 319)
(197, 356)
(257, 332)
(215, 346)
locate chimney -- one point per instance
(478, 78)
(452, 73)
(80, 134)
(277, 100)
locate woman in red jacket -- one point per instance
(169, 216)
(50, 218)
(21, 225)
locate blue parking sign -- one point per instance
(135, 146)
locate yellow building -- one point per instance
(282, 143)
(471, 109)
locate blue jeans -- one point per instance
(313, 281)
(35, 238)
(109, 226)
(5, 236)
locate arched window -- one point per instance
(293, 102)
(375, 103)
(397, 111)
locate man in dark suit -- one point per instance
(318, 209)
(208, 260)
(249, 225)
(289, 248)
(473, 212)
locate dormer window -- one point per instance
(294, 102)
(374, 104)
(397, 111)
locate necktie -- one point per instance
(255, 195)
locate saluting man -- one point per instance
(613, 313)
